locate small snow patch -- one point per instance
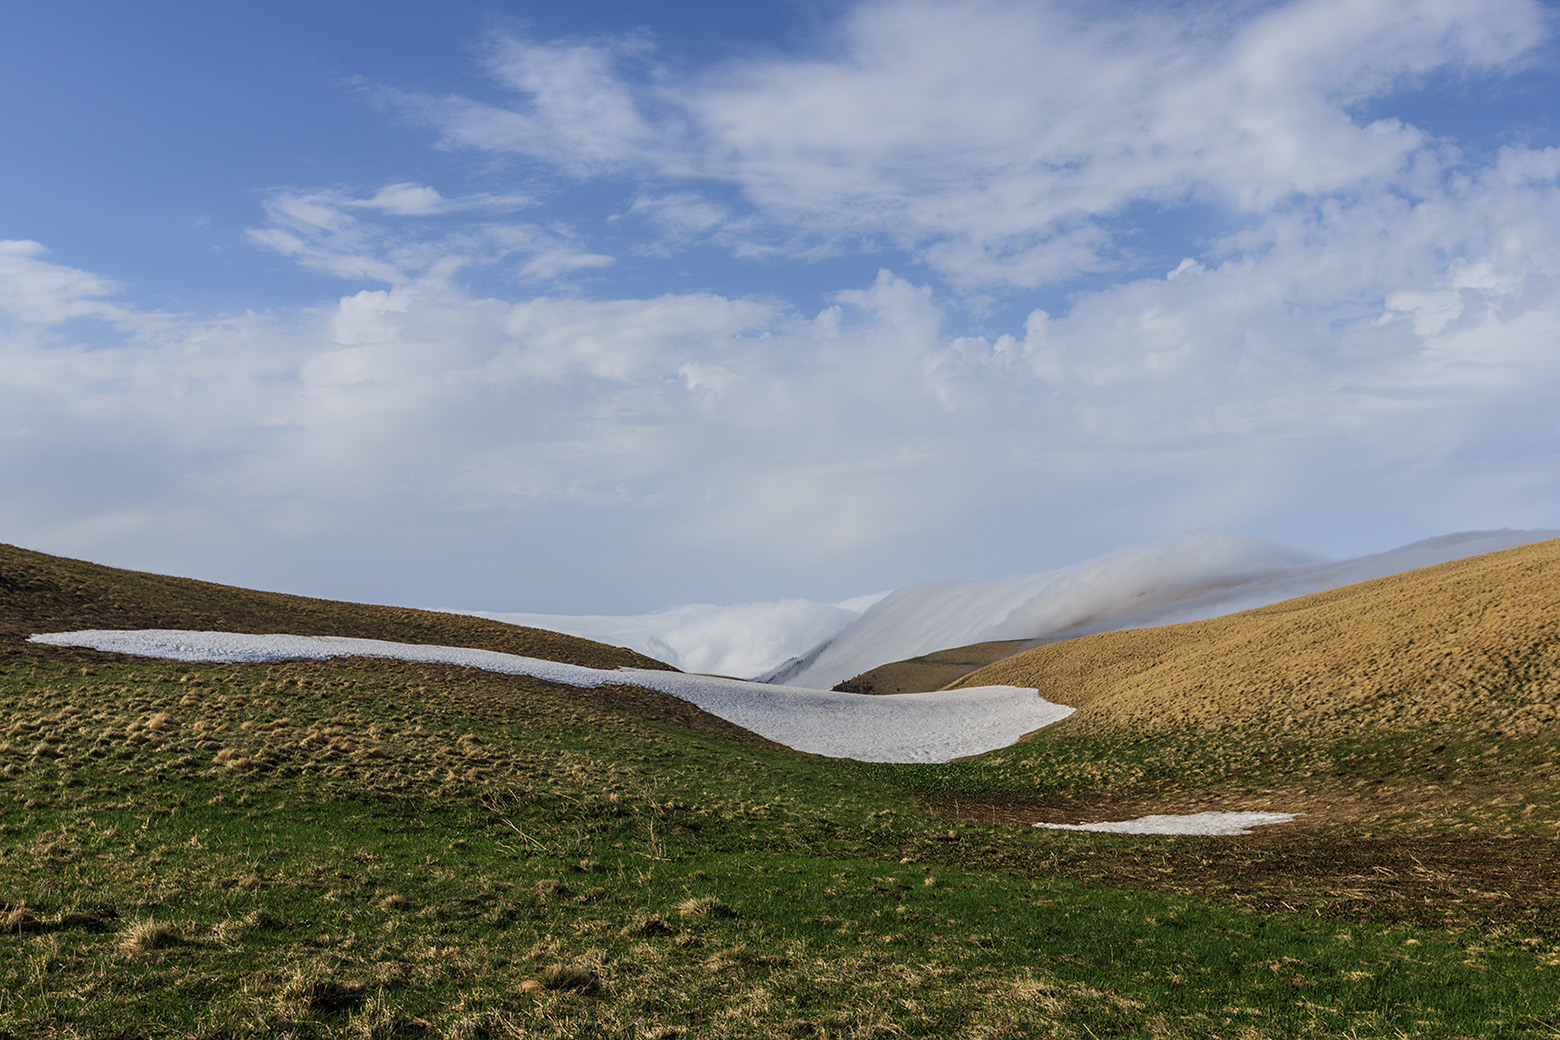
(1196, 823)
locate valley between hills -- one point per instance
(381, 848)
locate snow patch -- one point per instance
(1196, 823)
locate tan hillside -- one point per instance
(936, 670)
(41, 593)
(1476, 641)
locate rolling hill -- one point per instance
(375, 848)
(1472, 642)
(1190, 578)
(42, 593)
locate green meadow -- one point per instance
(376, 849)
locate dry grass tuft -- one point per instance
(649, 927)
(150, 934)
(309, 990)
(234, 758)
(232, 930)
(574, 977)
(742, 955)
(379, 1019)
(698, 907)
(18, 920)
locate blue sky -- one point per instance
(602, 307)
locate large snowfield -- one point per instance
(912, 727)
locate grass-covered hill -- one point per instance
(41, 593)
(934, 671)
(369, 848)
(1472, 643)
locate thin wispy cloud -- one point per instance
(1003, 142)
(35, 291)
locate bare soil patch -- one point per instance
(1319, 864)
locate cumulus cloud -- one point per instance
(728, 427)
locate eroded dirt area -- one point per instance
(1332, 863)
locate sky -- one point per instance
(601, 308)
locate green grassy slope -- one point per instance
(375, 849)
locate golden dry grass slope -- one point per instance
(42, 593)
(1474, 641)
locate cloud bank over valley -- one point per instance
(816, 646)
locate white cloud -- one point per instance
(549, 265)
(680, 217)
(315, 229)
(407, 199)
(621, 341)
(35, 291)
(319, 229)
(573, 106)
(852, 440)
